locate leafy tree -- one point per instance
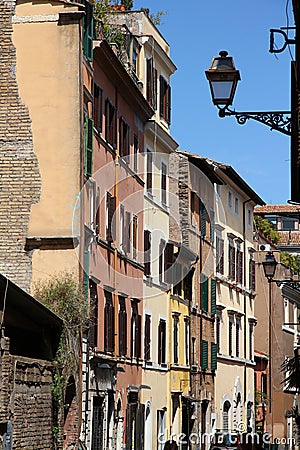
(128, 4)
(267, 228)
(291, 261)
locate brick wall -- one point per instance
(26, 400)
(19, 173)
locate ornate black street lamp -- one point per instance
(269, 266)
(223, 78)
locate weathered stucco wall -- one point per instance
(19, 173)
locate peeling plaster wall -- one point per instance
(20, 182)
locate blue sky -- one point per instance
(196, 31)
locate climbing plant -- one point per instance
(291, 261)
(267, 228)
(62, 294)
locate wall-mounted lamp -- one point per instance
(223, 78)
(269, 266)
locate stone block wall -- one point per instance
(19, 173)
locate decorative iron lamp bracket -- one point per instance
(276, 120)
(289, 282)
(287, 41)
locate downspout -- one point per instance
(245, 301)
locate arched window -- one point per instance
(225, 416)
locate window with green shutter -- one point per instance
(214, 351)
(88, 31)
(204, 354)
(88, 146)
(213, 296)
(203, 219)
(204, 296)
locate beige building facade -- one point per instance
(235, 319)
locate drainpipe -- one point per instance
(245, 300)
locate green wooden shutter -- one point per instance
(204, 354)
(213, 296)
(205, 294)
(88, 31)
(214, 351)
(203, 219)
(88, 148)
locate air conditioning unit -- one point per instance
(264, 247)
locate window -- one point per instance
(204, 294)
(163, 183)
(229, 200)
(218, 332)
(122, 326)
(177, 286)
(237, 336)
(149, 171)
(151, 80)
(252, 272)
(202, 219)
(93, 332)
(288, 223)
(135, 152)
(147, 252)
(110, 124)
(212, 226)
(231, 259)
(230, 326)
(219, 255)
(175, 339)
(168, 263)
(134, 59)
(88, 146)
(286, 311)
(97, 207)
(110, 217)
(165, 100)
(88, 28)
(134, 236)
(251, 341)
(98, 424)
(91, 187)
(249, 218)
(162, 246)
(225, 416)
(239, 265)
(122, 232)
(98, 107)
(204, 354)
(135, 331)
(124, 137)
(236, 205)
(127, 229)
(162, 342)
(109, 324)
(147, 338)
(187, 341)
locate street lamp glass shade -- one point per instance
(269, 265)
(223, 78)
